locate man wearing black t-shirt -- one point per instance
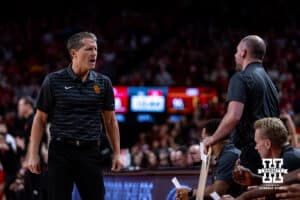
(251, 96)
(79, 104)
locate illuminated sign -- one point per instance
(147, 103)
(121, 99)
(147, 99)
(182, 100)
(128, 190)
(174, 100)
(146, 186)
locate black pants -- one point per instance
(33, 186)
(69, 164)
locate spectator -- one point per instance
(9, 159)
(271, 142)
(194, 152)
(226, 155)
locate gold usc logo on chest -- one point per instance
(97, 89)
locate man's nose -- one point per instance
(94, 52)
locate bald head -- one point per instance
(255, 46)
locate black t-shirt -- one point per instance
(74, 107)
(224, 167)
(291, 158)
(256, 91)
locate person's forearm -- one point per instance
(219, 186)
(292, 132)
(228, 123)
(114, 135)
(37, 131)
(209, 189)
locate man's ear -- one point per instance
(268, 143)
(244, 53)
(72, 53)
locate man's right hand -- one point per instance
(208, 141)
(242, 175)
(117, 164)
(33, 163)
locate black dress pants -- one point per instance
(79, 164)
(33, 186)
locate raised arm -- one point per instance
(291, 129)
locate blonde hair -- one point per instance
(272, 128)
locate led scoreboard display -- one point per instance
(182, 100)
(121, 99)
(156, 100)
(147, 99)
